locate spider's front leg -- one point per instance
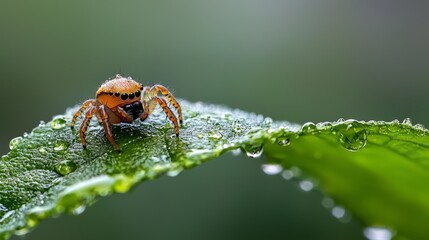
(82, 108)
(104, 116)
(85, 123)
(150, 99)
(149, 93)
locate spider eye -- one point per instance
(131, 95)
(138, 93)
(117, 94)
(124, 96)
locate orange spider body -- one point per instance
(118, 93)
(124, 100)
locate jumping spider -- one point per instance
(124, 100)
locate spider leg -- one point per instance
(153, 91)
(169, 113)
(88, 115)
(124, 115)
(106, 125)
(82, 108)
(145, 111)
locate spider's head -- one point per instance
(119, 91)
(134, 109)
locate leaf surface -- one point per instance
(376, 170)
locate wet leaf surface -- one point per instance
(376, 170)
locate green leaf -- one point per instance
(376, 170)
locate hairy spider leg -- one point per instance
(106, 125)
(82, 108)
(145, 111)
(124, 115)
(154, 90)
(85, 123)
(169, 113)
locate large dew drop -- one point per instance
(377, 233)
(65, 167)
(61, 145)
(14, 142)
(272, 169)
(58, 123)
(309, 128)
(253, 151)
(352, 139)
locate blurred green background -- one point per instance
(291, 60)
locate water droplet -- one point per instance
(14, 142)
(291, 173)
(309, 128)
(267, 121)
(340, 120)
(215, 135)
(236, 129)
(43, 150)
(288, 174)
(328, 202)
(352, 139)
(338, 212)
(42, 124)
(65, 167)
(253, 151)
(236, 152)
(61, 145)
(419, 126)
(306, 185)
(78, 210)
(200, 135)
(174, 172)
(377, 233)
(283, 141)
(407, 121)
(58, 123)
(272, 169)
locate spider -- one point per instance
(124, 100)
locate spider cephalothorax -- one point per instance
(124, 100)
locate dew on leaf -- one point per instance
(306, 185)
(272, 169)
(352, 139)
(407, 121)
(253, 151)
(58, 123)
(215, 135)
(288, 174)
(328, 202)
(61, 145)
(78, 210)
(377, 233)
(14, 142)
(174, 172)
(283, 141)
(309, 128)
(338, 212)
(43, 150)
(42, 124)
(236, 152)
(65, 167)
